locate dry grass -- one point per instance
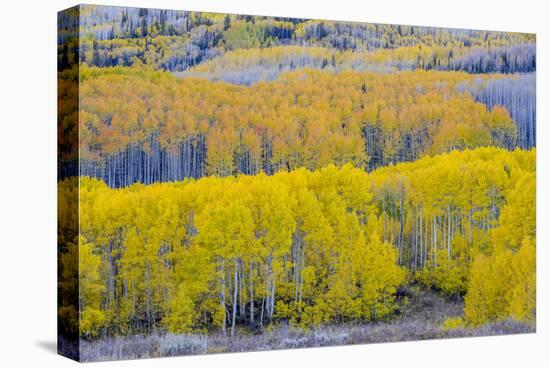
(421, 316)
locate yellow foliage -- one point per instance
(503, 284)
(321, 121)
(454, 323)
(180, 318)
(309, 246)
(91, 322)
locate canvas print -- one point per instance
(235, 183)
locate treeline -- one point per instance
(308, 247)
(248, 66)
(138, 125)
(102, 23)
(180, 53)
(177, 40)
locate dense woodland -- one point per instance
(332, 245)
(243, 172)
(177, 40)
(139, 125)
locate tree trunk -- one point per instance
(222, 298)
(235, 293)
(251, 293)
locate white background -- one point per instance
(28, 182)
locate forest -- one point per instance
(170, 129)
(177, 40)
(312, 247)
(235, 183)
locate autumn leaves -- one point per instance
(464, 223)
(316, 247)
(306, 235)
(208, 254)
(140, 125)
(233, 175)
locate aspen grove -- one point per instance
(235, 183)
(311, 247)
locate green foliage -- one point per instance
(243, 35)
